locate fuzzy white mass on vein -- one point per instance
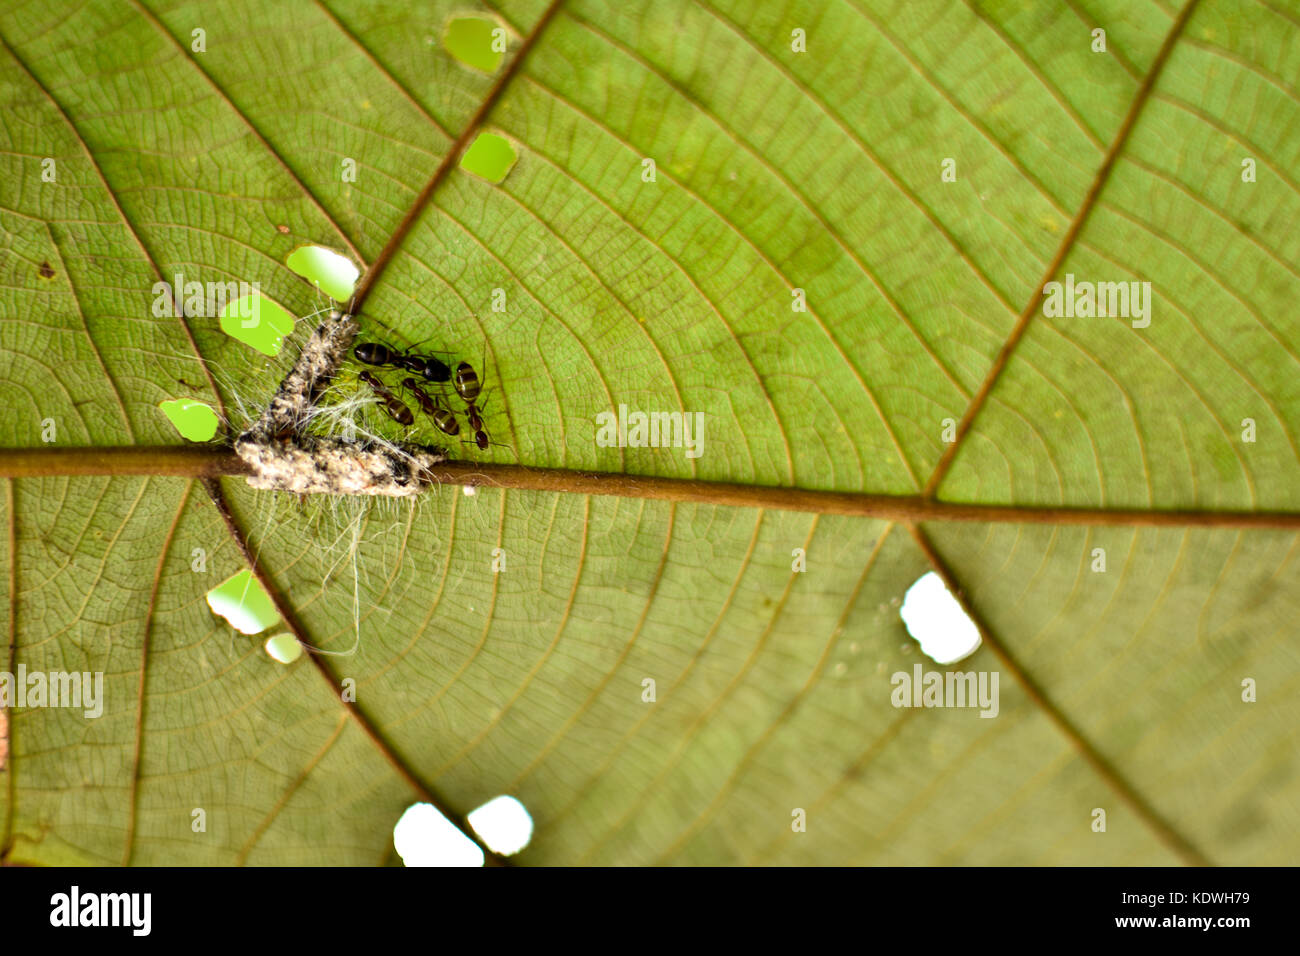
(283, 458)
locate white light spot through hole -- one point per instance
(504, 824)
(935, 619)
(424, 837)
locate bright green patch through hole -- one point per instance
(469, 39)
(491, 156)
(194, 420)
(333, 273)
(284, 648)
(257, 321)
(243, 602)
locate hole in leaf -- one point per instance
(193, 419)
(490, 157)
(257, 321)
(935, 619)
(243, 602)
(424, 837)
(333, 273)
(504, 825)
(469, 40)
(284, 648)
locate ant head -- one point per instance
(482, 441)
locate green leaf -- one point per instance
(698, 218)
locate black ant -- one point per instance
(376, 353)
(476, 426)
(475, 415)
(468, 387)
(392, 404)
(441, 415)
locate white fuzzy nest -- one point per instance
(284, 457)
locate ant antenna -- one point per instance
(485, 444)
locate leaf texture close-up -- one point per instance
(1002, 290)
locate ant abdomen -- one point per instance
(441, 415)
(373, 353)
(467, 383)
(392, 404)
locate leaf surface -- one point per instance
(778, 175)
